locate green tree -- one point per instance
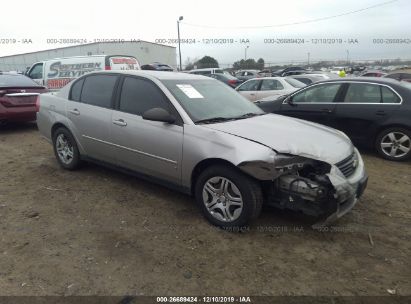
(206, 62)
(260, 63)
(249, 64)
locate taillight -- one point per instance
(107, 67)
(38, 103)
(232, 81)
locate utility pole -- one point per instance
(179, 46)
(245, 52)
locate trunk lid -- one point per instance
(20, 97)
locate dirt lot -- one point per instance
(99, 232)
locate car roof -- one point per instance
(363, 79)
(206, 69)
(307, 75)
(377, 80)
(161, 75)
(263, 78)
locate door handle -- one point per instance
(380, 113)
(74, 112)
(120, 122)
(326, 110)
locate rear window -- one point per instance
(123, 63)
(98, 90)
(76, 90)
(295, 83)
(16, 81)
(304, 80)
(388, 96)
(363, 93)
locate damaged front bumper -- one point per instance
(326, 191)
(347, 190)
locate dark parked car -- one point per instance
(401, 76)
(373, 74)
(227, 79)
(307, 78)
(157, 66)
(247, 74)
(18, 95)
(287, 71)
(372, 111)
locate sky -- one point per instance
(249, 28)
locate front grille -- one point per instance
(348, 165)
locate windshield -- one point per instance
(295, 83)
(204, 99)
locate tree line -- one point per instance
(210, 62)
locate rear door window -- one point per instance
(98, 90)
(139, 95)
(363, 93)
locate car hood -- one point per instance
(291, 136)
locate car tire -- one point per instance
(394, 144)
(65, 149)
(227, 197)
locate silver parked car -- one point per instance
(259, 88)
(198, 135)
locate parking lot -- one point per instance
(96, 231)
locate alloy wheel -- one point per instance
(222, 199)
(64, 149)
(396, 144)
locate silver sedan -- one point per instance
(197, 135)
(273, 87)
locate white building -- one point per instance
(145, 52)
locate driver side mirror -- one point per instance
(159, 114)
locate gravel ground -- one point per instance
(99, 232)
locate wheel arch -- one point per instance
(388, 126)
(56, 126)
(202, 165)
(60, 124)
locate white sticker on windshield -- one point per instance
(189, 91)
